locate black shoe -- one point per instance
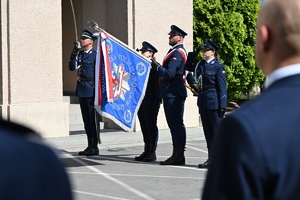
(150, 157)
(82, 153)
(93, 151)
(173, 161)
(204, 165)
(141, 157)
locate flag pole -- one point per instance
(74, 19)
(93, 24)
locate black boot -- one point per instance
(182, 149)
(175, 159)
(94, 148)
(151, 156)
(82, 153)
(144, 154)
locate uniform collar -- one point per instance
(87, 51)
(176, 46)
(208, 61)
(282, 73)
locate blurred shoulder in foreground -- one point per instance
(29, 168)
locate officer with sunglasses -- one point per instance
(84, 62)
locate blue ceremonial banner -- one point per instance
(121, 80)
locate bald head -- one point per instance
(278, 33)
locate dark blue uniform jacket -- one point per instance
(171, 73)
(86, 61)
(29, 168)
(256, 151)
(213, 74)
(152, 91)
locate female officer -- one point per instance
(149, 108)
(212, 96)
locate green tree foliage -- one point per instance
(231, 24)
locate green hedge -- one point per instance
(231, 24)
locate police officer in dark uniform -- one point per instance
(84, 62)
(149, 108)
(212, 96)
(173, 92)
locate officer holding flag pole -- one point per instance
(84, 62)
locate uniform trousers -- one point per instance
(210, 121)
(174, 109)
(148, 118)
(88, 116)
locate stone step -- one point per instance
(75, 118)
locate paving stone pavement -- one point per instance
(115, 175)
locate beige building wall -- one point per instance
(31, 62)
(36, 41)
(132, 22)
(151, 22)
